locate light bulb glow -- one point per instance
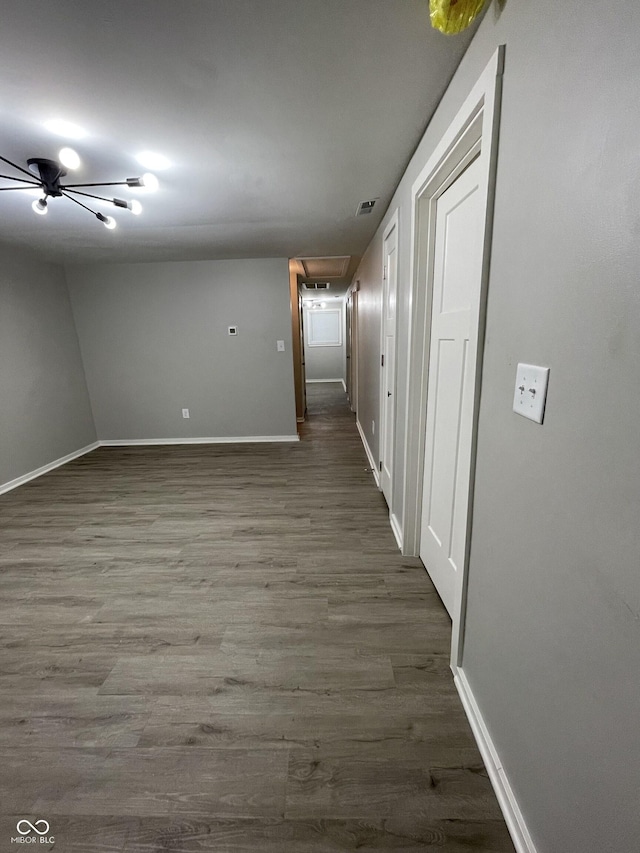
(109, 222)
(65, 128)
(69, 158)
(152, 160)
(136, 207)
(39, 206)
(150, 182)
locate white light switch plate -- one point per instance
(531, 391)
(280, 346)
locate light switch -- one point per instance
(280, 346)
(531, 391)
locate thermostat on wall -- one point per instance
(233, 330)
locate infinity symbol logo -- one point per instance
(33, 827)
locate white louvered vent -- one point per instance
(365, 207)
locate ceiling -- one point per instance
(278, 118)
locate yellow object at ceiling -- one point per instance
(453, 16)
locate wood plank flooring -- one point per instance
(219, 648)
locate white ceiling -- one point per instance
(278, 117)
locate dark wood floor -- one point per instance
(220, 648)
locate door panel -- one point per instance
(388, 383)
(452, 366)
(348, 347)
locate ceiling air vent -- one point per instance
(366, 207)
(316, 285)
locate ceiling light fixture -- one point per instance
(149, 182)
(69, 158)
(46, 175)
(40, 206)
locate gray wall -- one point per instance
(45, 412)
(552, 648)
(324, 362)
(154, 341)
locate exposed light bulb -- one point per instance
(69, 158)
(108, 221)
(136, 207)
(150, 182)
(152, 160)
(323, 304)
(65, 128)
(39, 206)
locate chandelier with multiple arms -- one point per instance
(47, 175)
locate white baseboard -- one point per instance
(367, 450)
(506, 798)
(20, 481)
(397, 531)
(300, 420)
(237, 439)
(316, 381)
(344, 386)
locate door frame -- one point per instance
(394, 222)
(348, 306)
(352, 295)
(473, 132)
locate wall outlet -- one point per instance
(233, 330)
(185, 413)
(280, 345)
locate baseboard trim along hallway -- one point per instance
(367, 450)
(504, 792)
(397, 531)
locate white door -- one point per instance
(457, 274)
(388, 361)
(353, 362)
(348, 348)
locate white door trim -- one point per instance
(353, 397)
(475, 128)
(394, 222)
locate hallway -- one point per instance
(219, 647)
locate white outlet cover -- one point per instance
(185, 413)
(233, 330)
(280, 345)
(530, 393)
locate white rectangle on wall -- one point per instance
(325, 328)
